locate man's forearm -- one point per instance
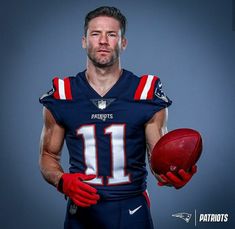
(50, 168)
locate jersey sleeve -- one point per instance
(55, 99)
(150, 93)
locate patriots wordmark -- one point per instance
(213, 218)
(102, 117)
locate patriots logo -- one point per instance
(183, 215)
(159, 92)
(47, 94)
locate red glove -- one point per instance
(79, 192)
(171, 179)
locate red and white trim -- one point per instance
(62, 89)
(145, 89)
(147, 198)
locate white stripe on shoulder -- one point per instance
(147, 86)
(61, 89)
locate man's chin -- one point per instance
(103, 63)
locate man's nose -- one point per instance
(103, 39)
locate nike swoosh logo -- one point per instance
(131, 212)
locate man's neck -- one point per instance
(102, 79)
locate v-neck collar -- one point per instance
(110, 93)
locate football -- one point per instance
(178, 149)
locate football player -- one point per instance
(108, 117)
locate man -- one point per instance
(107, 116)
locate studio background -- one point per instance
(189, 44)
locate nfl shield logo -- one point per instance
(102, 104)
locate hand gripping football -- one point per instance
(178, 149)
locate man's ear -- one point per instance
(84, 42)
(124, 43)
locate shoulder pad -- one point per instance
(145, 89)
(62, 88)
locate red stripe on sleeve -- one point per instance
(147, 198)
(151, 90)
(56, 87)
(140, 87)
(67, 89)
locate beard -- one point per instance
(103, 61)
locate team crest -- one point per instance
(183, 215)
(159, 92)
(48, 93)
(102, 103)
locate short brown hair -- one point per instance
(109, 12)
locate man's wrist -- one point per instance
(60, 184)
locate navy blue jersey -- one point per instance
(106, 135)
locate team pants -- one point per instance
(131, 213)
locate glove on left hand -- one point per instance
(177, 181)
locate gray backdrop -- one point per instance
(188, 43)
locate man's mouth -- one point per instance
(104, 50)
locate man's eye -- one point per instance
(94, 34)
(112, 35)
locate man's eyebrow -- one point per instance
(96, 31)
(99, 31)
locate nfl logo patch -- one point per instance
(102, 104)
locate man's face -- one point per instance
(103, 41)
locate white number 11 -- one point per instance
(117, 150)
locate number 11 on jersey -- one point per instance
(117, 150)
